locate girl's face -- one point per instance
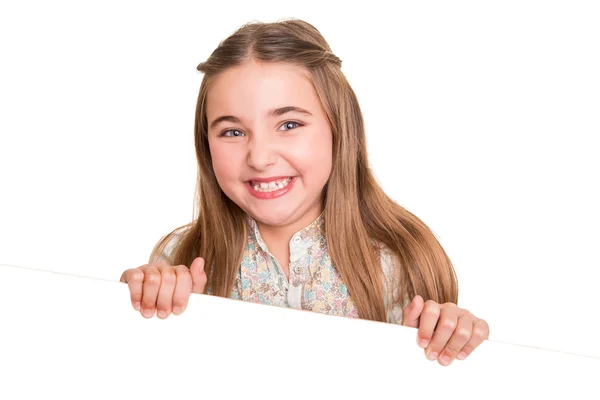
(266, 125)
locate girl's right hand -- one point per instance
(164, 288)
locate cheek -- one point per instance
(314, 157)
(224, 164)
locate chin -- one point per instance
(267, 217)
(273, 214)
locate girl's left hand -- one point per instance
(457, 331)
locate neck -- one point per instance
(277, 238)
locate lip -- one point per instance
(273, 194)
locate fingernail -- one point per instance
(137, 306)
(176, 310)
(432, 356)
(162, 314)
(462, 355)
(423, 343)
(147, 313)
(445, 360)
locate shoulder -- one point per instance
(394, 299)
(389, 262)
(166, 245)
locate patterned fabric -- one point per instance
(314, 284)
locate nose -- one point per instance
(261, 153)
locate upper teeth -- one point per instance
(273, 185)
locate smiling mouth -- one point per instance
(271, 186)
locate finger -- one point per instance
(460, 337)
(428, 321)
(150, 291)
(481, 332)
(183, 289)
(144, 267)
(164, 301)
(159, 264)
(412, 312)
(198, 275)
(134, 279)
(446, 325)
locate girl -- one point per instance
(291, 214)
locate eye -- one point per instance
(288, 123)
(236, 133)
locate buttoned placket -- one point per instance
(298, 269)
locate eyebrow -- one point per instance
(276, 112)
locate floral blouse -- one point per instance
(314, 284)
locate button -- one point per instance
(296, 239)
(297, 270)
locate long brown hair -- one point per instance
(357, 211)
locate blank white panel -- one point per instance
(72, 337)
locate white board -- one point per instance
(71, 337)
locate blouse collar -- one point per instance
(301, 240)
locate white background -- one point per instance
(482, 119)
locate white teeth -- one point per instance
(271, 186)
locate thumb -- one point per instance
(412, 312)
(198, 275)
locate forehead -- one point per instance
(255, 87)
